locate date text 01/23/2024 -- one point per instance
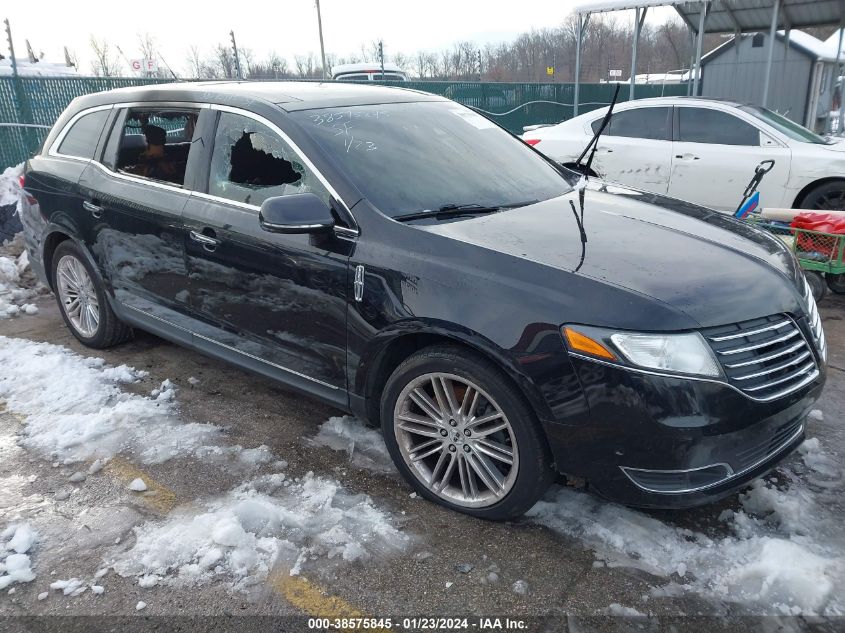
(418, 623)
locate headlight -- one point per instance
(684, 353)
(674, 353)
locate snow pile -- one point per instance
(364, 445)
(75, 410)
(15, 541)
(784, 552)
(266, 522)
(10, 188)
(18, 285)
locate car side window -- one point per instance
(81, 139)
(155, 144)
(648, 123)
(251, 163)
(703, 125)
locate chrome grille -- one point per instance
(766, 358)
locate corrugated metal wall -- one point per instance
(738, 73)
(40, 100)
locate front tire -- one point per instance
(82, 299)
(827, 197)
(462, 435)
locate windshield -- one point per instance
(412, 157)
(785, 126)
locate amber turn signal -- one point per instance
(582, 343)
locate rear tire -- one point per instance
(836, 283)
(82, 299)
(480, 451)
(817, 284)
(827, 197)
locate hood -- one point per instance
(714, 269)
(837, 145)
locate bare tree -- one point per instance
(224, 62)
(195, 63)
(105, 63)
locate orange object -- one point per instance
(583, 343)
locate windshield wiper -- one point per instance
(458, 210)
(594, 142)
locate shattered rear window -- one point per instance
(251, 163)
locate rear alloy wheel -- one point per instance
(82, 299)
(462, 436)
(77, 296)
(827, 197)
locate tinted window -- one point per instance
(81, 139)
(251, 163)
(651, 123)
(411, 157)
(785, 126)
(701, 125)
(155, 144)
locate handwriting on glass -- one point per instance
(341, 124)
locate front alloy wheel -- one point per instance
(456, 440)
(463, 435)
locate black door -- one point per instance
(277, 298)
(135, 197)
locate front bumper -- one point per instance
(665, 442)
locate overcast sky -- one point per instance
(288, 27)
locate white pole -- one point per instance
(836, 70)
(700, 43)
(637, 26)
(772, 33)
(582, 25)
(322, 47)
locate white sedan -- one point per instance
(704, 151)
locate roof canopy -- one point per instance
(728, 16)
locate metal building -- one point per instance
(800, 85)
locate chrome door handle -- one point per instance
(686, 156)
(94, 209)
(208, 243)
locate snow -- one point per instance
(784, 550)
(265, 522)
(75, 410)
(617, 609)
(22, 538)
(40, 68)
(15, 565)
(364, 445)
(520, 587)
(140, 605)
(72, 587)
(137, 485)
(18, 284)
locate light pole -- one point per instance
(322, 47)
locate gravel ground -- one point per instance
(451, 564)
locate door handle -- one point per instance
(208, 242)
(95, 209)
(686, 156)
(605, 150)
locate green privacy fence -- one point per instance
(515, 105)
(29, 105)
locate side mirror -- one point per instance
(296, 213)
